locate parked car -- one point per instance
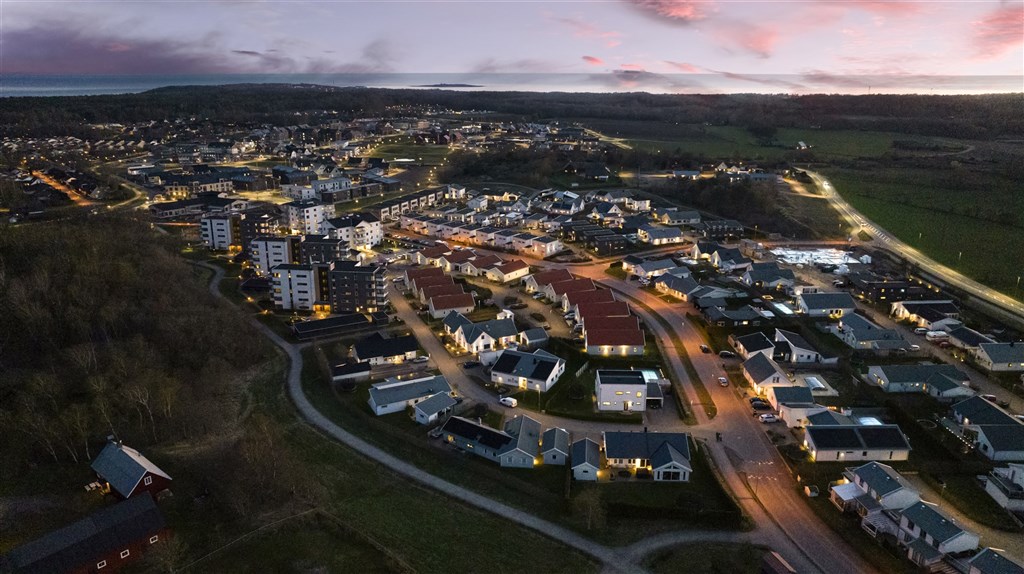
(518, 306)
(722, 381)
(705, 349)
(915, 347)
(421, 359)
(727, 354)
(538, 295)
(762, 406)
(470, 364)
(768, 418)
(920, 330)
(990, 398)
(755, 400)
(509, 402)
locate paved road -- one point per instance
(999, 300)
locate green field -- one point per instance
(422, 153)
(987, 251)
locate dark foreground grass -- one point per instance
(707, 558)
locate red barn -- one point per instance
(105, 541)
(126, 473)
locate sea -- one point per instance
(14, 85)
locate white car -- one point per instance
(768, 418)
(509, 402)
(723, 381)
(421, 359)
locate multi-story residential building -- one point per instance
(357, 288)
(358, 230)
(300, 287)
(269, 251)
(220, 231)
(307, 216)
(322, 249)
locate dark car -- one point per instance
(470, 364)
(761, 407)
(705, 349)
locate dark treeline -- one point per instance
(105, 331)
(950, 116)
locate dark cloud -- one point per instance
(763, 80)
(57, 48)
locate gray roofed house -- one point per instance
(1001, 357)
(826, 304)
(801, 351)
(989, 561)
(941, 381)
(585, 459)
(978, 411)
(377, 349)
(486, 335)
(1001, 442)
(668, 454)
(966, 338)
(394, 395)
(829, 417)
(103, 536)
(554, 446)
(762, 372)
(522, 452)
(533, 337)
(431, 408)
(851, 442)
(538, 370)
(882, 482)
(791, 394)
(653, 268)
(860, 333)
(678, 287)
(127, 472)
(942, 535)
(476, 438)
(753, 343)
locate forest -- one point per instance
(969, 117)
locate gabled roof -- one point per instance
(430, 271)
(512, 266)
(881, 478)
(644, 445)
(1004, 437)
(452, 301)
(829, 417)
(553, 276)
(81, 544)
(453, 320)
(537, 365)
(857, 437)
(392, 390)
(794, 339)
(526, 432)
(591, 309)
(595, 296)
(478, 433)
(684, 285)
(988, 561)
(817, 301)
(376, 345)
(123, 467)
(969, 337)
(585, 451)
(562, 287)
(667, 453)
(978, 411)
(755, 342)
(922, 373)
(555, 440)
(933, 521)
(1004, 352)
(761, 368)
(614, 337)
(656, 265)
(435, 404)
(792, 394)
(495, 328)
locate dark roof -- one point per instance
(619, 444)
(1004, 437)
(585, 451)
(857, 437)
(477, 433)
(978, 411)
(755, 342)
(537, 365)
(932, 521)
(350, 369)
(761, 368)
(793, 394)
(83, 543)
(988, 561)
(620, 377)
(123, 467)
(828, 300)
(376, 345)
(339, 323)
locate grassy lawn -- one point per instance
(815, 214)
(982, 249)
(615, 270)
(303, 545)
(707, 558)
(427, 154)
(964, 492)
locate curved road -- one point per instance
(897, 246)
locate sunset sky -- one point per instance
(811, 38)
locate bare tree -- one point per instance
(590, 508)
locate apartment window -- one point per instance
(101, 564)
(125, 553)
(148, 480)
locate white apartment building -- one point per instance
(218, 231)
(295, 287)
(329, 185)
(360, 230)
(298, 192)
(308, 216)
(268, 251)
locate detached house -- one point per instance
(483, 336)
(873, 487)
(832, 305)
(378, 350)
(394, 395)
(586, 460)
(658, 235)
(125, 473)
(538, 370)
(1001, 357)
(762, 372)
(517, 446)
(929, 534)
(1006, 486)
(850, 443)
(665, 455)
(944, 382)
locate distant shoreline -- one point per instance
(448, 86)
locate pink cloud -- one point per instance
(893, 7)
(999, 31)
(681, 10)
(683, 67)
(584, 29)
(751, 38)
(594, 61)
(631, 66)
